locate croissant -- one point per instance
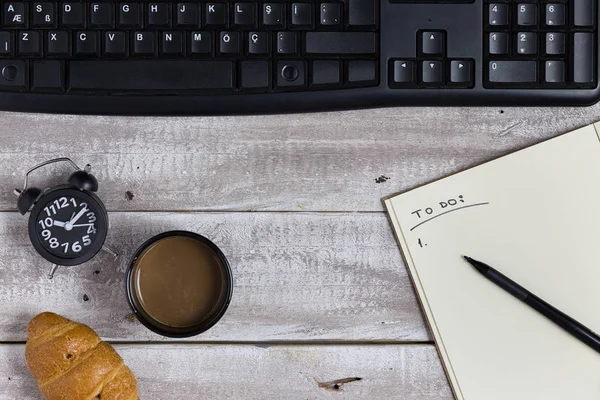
(70, 362)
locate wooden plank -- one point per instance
(322, 162)
(298, 276)
(249, 372)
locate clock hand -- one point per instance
(80, 225)
(58, 223)
(76, 218)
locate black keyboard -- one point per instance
(270, 56)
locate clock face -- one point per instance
(70, 226)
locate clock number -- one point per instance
(91, 229)
(46, 234)
(86, 240)
(53, 243)
(92, 217)
(61, 203)
(66, 246)
(83, 204)
(74, 202)
(46, 223)
(47, 209)
(76, 247)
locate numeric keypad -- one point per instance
(532, 44)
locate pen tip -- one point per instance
(467, 258)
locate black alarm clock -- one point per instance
(68, 224)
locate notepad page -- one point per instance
(535, 216)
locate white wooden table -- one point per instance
(321, 293)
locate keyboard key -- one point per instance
(555, 14)
(244, 14)
(432, 72)
(461, 72)
(86, 43)
(72, 15)
(258, 43)
(229, 43)
(404, 71)
(14, 75)
(144, 43)
(498, 15)
(116, 44)
(362, 71)
(187, 14)
(216, 14)
(361, 12)
(44, 15)
(172, 43)
(583, 12)
(58, 43)
(325, 72)
(255, 75)
(170, 75)
(302, 15)
(273, 15)
(48, 75)
(290, 74)
(555, 72)
(201, 42)
(340, 43)
(6, 44)
(130, 15)
(29, 43)
(526, 43)
(159, 14)
(583, 57)
(527, 14)
(287, 43)
(555, 43)
(330, 14)
(14, 15)
(498, 43)
(102, 15)
(433, 42)
(513, 71)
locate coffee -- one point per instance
(179, 284)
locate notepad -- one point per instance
(535, 216)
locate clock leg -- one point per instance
(52, 271)
(110, 251)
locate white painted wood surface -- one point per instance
(298, 277)
(316, 264)
(170, 372)
(322, 162)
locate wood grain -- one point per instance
(167, 372)
(314, 162)
(298, 277)
(301, 277)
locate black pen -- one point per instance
(573, 327)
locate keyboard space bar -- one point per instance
(150, 75)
